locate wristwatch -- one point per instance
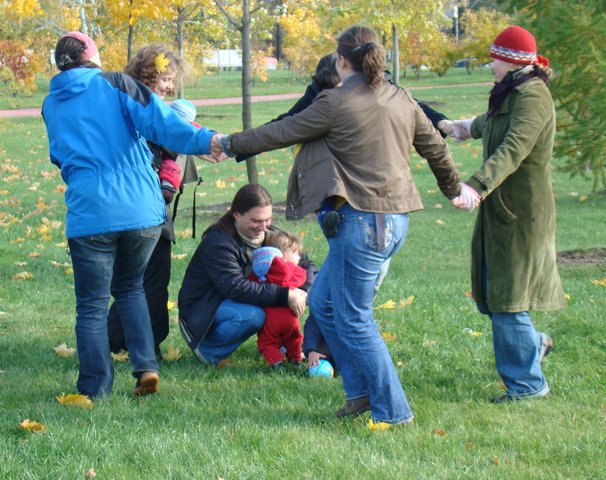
(226, 145)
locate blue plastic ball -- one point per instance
(323, 369)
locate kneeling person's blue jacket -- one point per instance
(98, 124)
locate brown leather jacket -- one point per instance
(356, 144)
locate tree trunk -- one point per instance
(251, 163)
(129, 47)
(396, 54)
(180, 20)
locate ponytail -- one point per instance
(360, 45)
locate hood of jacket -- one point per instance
(70, 83)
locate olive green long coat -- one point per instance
(515, 226)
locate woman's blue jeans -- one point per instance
(341, 302)
(517, 347)
(111, 263)
(233, 324)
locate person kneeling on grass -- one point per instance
(219, 306)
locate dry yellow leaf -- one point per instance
(378, 426)
(20, 264)
(64, 351)
(17, 241)
(170, 305)
(567, 297)
(439, 432)
(33, 255)
(388, 337)
(601, 282)
(57, 264)
(121, 356)
(408, 301)
(178, 256)
(389, 304)
(31, 426)
(468, 293)
(60, 188)
(172, 354)
(22, 276)
(75, 400)
(220, 184)
(440, 222)
(583, 198)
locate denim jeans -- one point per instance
(341, 302)
(234, 323)
(517, 347)
(103, 264)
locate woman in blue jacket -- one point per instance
(97, 125)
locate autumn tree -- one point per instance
(571, 34)
(305, 36)
(240, 16)
(481, 27)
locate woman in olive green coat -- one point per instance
(513, 246)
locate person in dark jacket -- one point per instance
(219, 307)
(97, 123)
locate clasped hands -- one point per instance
(460, 130)
(468, 198)
(217, 155)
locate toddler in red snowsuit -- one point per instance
(277, 263)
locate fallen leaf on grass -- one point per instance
(220, 184)
(439, 432)
(20, 264)
(60, 188)
(17, 241)
(567, 297)
(90, 473)
(172, 354)
(472, 332)
(378, 426)
(178, 256)
(468, 293)
(22, 276)
(57, 264)
(440, 222)
(389, 304)
(583, 198)
(408, 301)
(388, 337)
(121, 356)
(75, 400)
(601, 282)
(64, 351)
(170, 305)
(429, 343)
(32, 426)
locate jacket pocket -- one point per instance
(503, 212)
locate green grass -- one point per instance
(244, 422)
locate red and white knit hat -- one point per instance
(515, 45)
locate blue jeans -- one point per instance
(341, 302)
(103, 264)
(517, 347)
(234, 323)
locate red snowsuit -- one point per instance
(281, 327)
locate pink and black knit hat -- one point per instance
(516, 45)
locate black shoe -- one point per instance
(354, 407)
(278, 367)
(330, 222)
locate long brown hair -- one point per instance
(247, 197)
(360, 45)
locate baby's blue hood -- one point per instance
(72, 82)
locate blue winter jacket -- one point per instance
(97, 125)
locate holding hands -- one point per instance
(468, 198)
(460, 130)
(217, 154)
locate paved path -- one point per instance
(34, 112)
